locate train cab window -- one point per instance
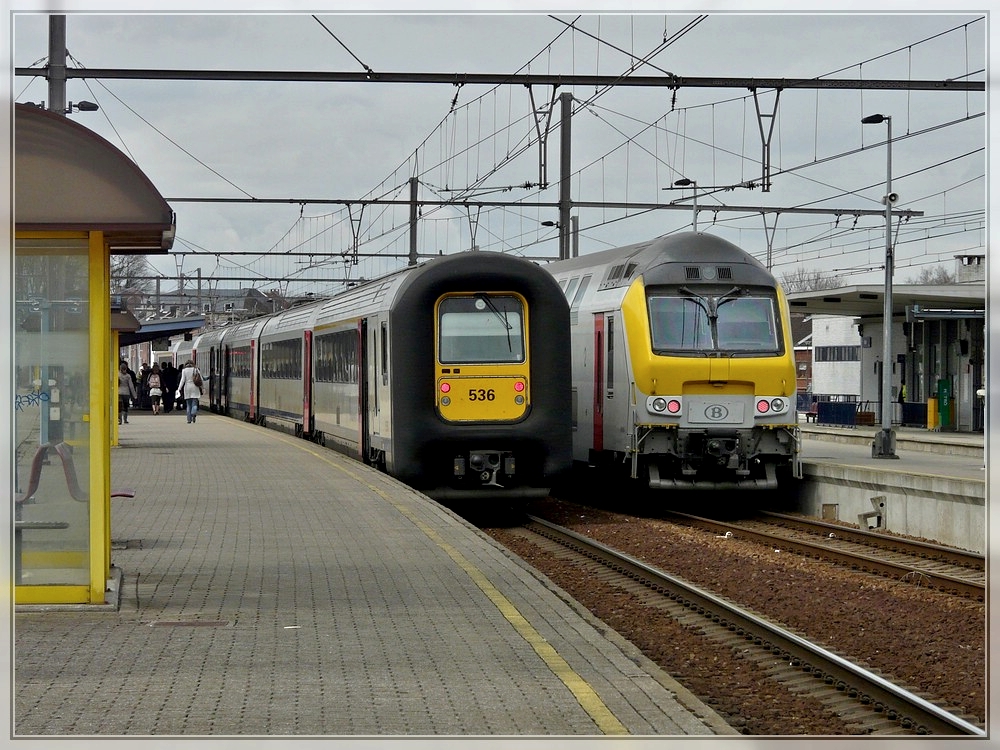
(697, 323)
(747, 324)
(678, 324)
(481, 328)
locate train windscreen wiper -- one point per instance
(501, 316)
(711, 307)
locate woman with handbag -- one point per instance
(126, 391)
(189, 388)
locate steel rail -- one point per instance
(876, 565)
(914, 547)
(910, 710)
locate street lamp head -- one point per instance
(874, 119)
(684, 182)
(83, 106)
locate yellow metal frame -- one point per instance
(98, 422)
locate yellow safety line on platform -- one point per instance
(585, 695)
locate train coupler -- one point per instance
(487, 464)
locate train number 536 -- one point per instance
(482, 394)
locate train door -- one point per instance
(214, 375)
(599, 337)
(364, 439)
(610, 402)
(373, 367)
(254, 367)
(307, 382)
(224, 379)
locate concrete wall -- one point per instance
(945, 510)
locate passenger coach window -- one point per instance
(706, 323)
(482, 328)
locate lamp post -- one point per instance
(884, 445)
(684, 182)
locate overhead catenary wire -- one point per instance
(480, 173)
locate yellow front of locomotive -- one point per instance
(481, 358)
(714, 376)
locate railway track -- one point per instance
(946, 569)
(868, 701)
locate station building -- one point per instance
(938, 341)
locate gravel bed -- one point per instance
(918, 637)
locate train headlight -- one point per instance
(518, 399)
(777, 404)
(445, 400)
(663, 405)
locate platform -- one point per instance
(270, 587)
(935, 488)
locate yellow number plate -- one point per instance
(493, 399)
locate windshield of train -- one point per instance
(480, 328)
(733, 321)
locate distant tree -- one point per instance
(805, 280)
(130, 278)
(932, 276)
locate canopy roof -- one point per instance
(868, 300)
(68, 178)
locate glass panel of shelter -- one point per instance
(51, 412)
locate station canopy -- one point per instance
(867, 301)
(68, 178)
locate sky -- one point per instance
(337, 141)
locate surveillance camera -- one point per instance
(891, 197)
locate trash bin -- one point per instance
(932, 413)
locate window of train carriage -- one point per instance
(578, 297)
(481, 328)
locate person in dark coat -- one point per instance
(169, 377)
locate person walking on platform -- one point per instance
(142, 386)
(168, 377)
(126, 391)
(155, 385)
(189, 388)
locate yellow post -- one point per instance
(113, 354)
(100, 449)
(932, 413)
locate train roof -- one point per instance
(673, 259)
